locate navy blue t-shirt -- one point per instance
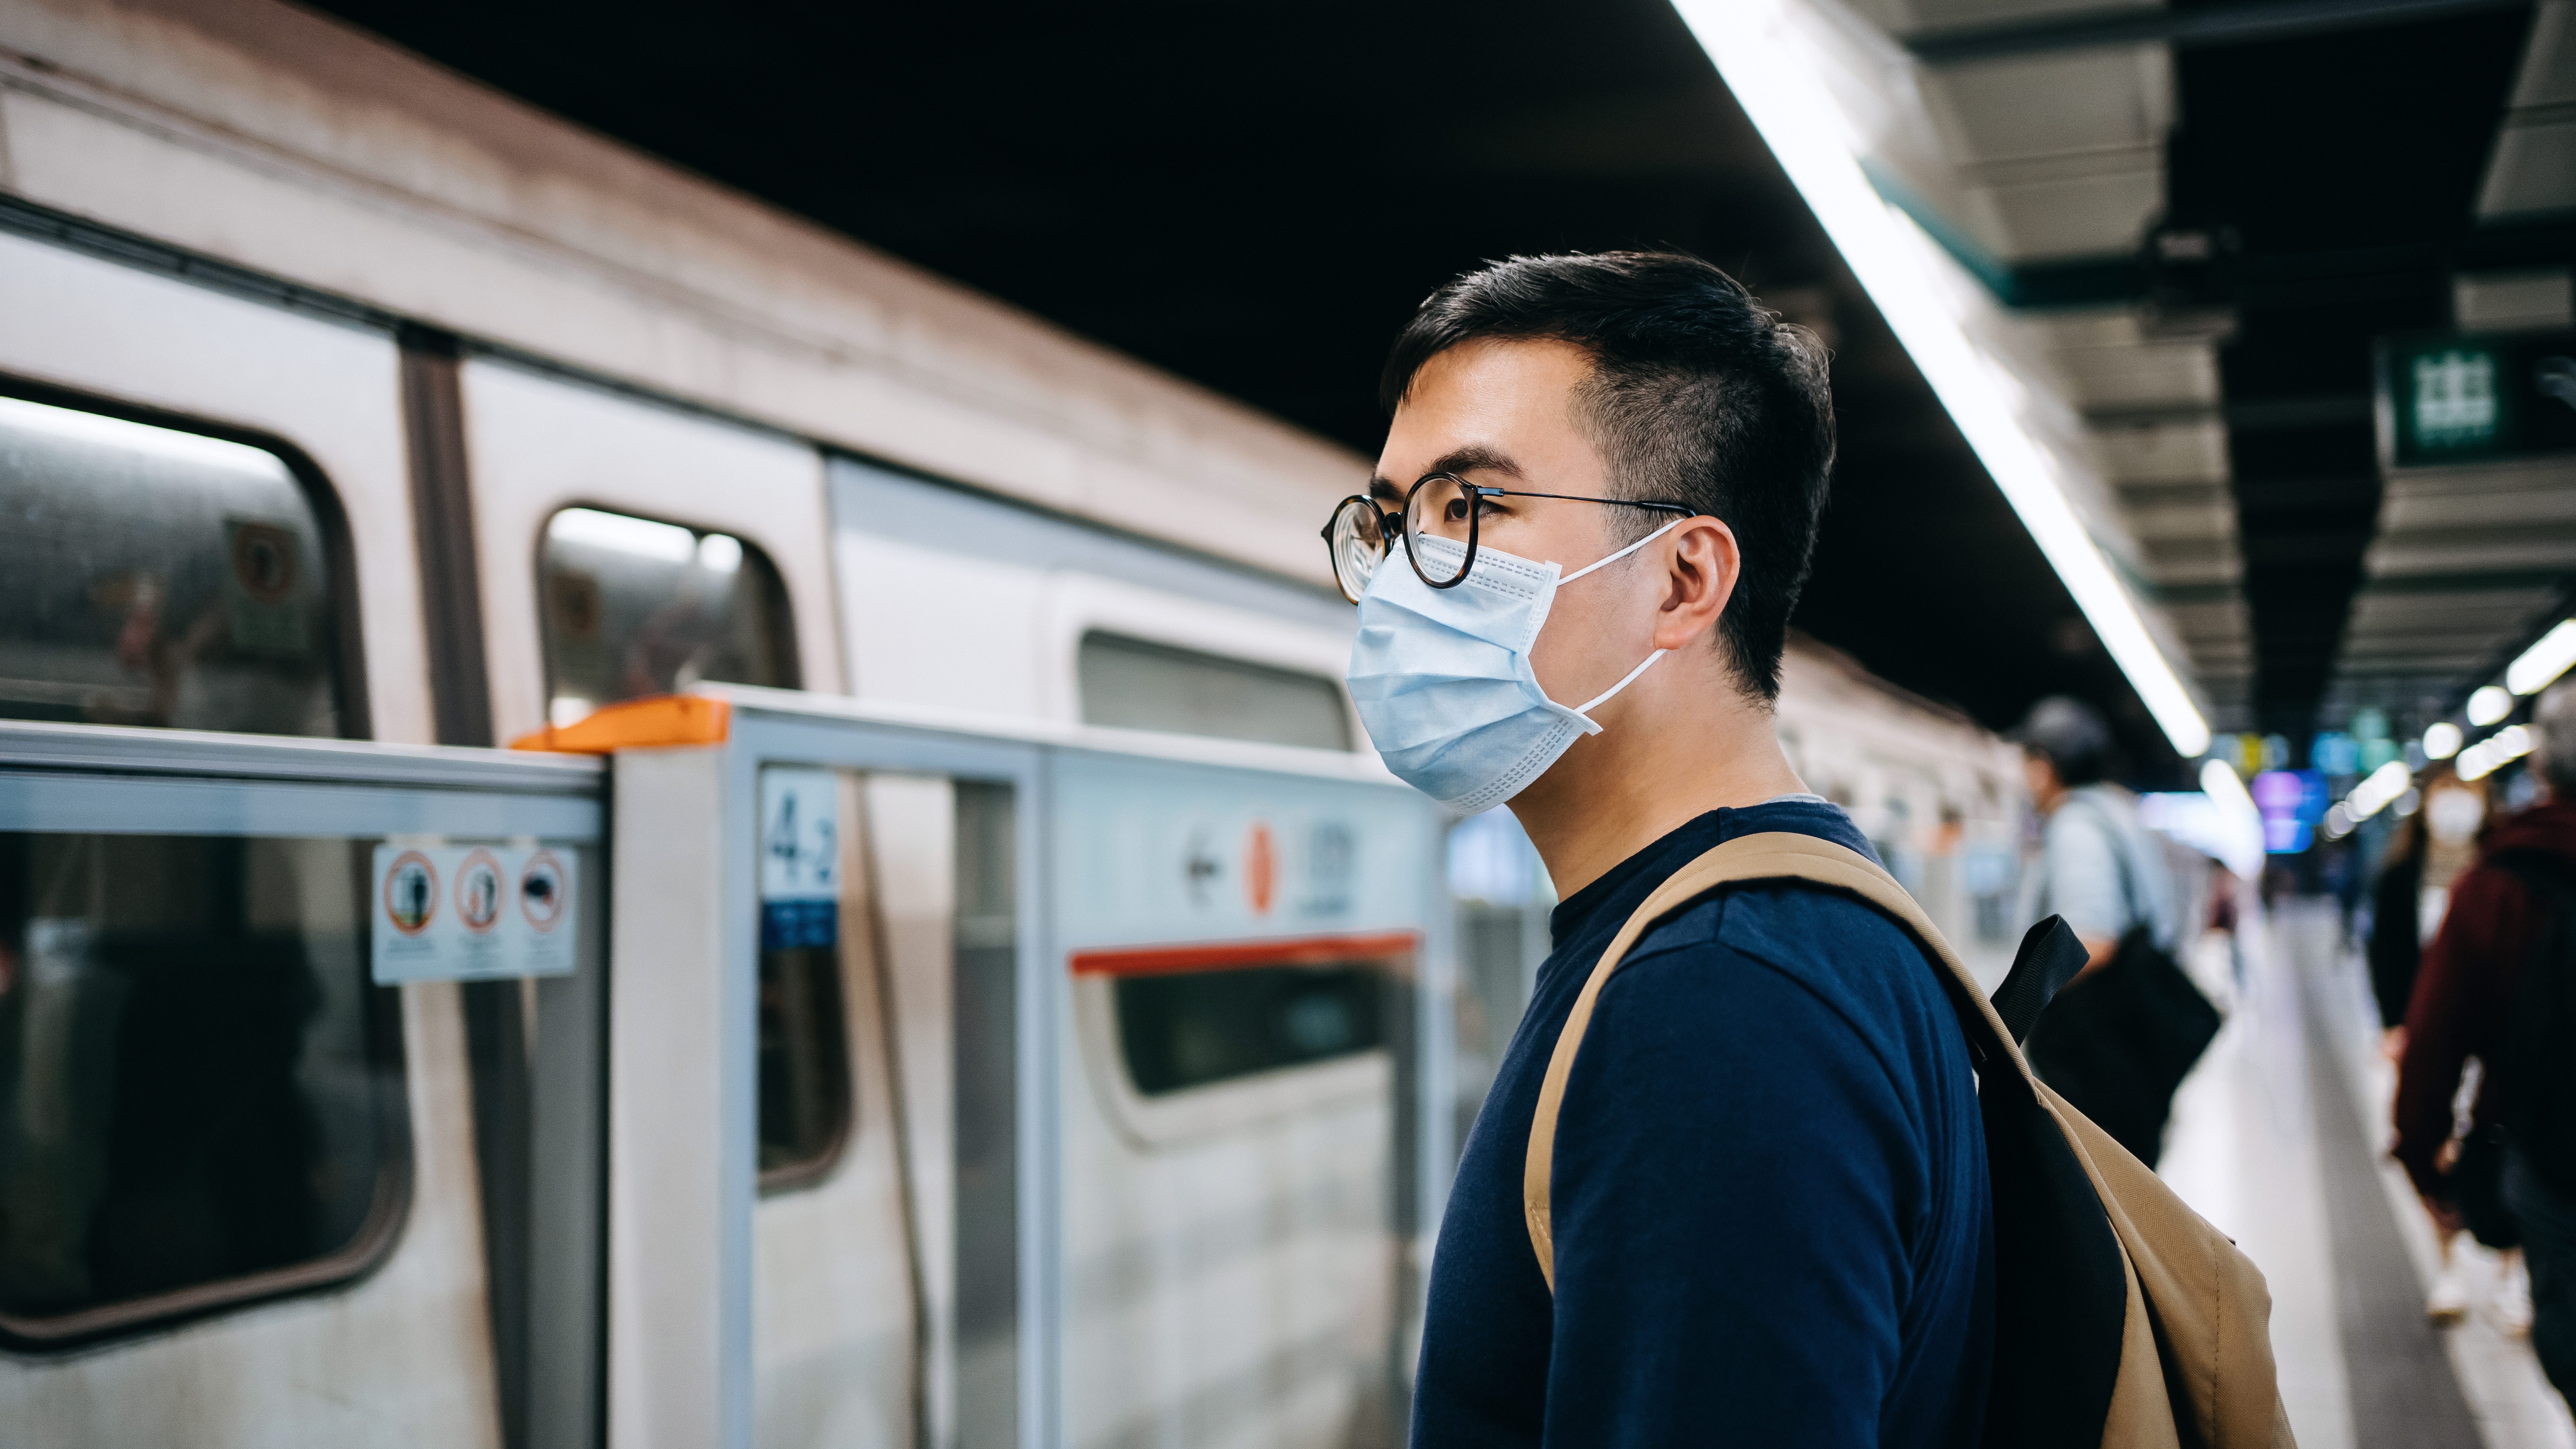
(1769, 1200)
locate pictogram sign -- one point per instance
(410, 893)
(478, 892)
(473, 912)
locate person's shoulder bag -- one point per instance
(2119, 1041)
(2121, 1318)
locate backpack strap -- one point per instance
(1770, 856)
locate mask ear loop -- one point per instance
(1603, 697)
(1564, 579)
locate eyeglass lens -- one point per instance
(1358, 544)
(1440, 507)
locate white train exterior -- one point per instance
(536, 423)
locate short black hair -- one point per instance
(1698, 395)
(2073, 737)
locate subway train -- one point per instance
(946, 970)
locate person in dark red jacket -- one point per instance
(2462, 1007)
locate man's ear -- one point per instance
(1705, 563)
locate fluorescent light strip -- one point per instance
(2505, 745)
(2544, 661)
(1760, 60)
(2384, 785)
(2244, 821)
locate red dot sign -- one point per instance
(1260, 869)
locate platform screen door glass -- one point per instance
(632, 607)
(984, 1003)
(912, 929)
(150, 576)
(809, 921)
(201, 1092)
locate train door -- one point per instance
(241, 1163)
(1115, 1137)
(628, 548)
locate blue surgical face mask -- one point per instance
(1442, 677)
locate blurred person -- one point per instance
(2495, 985)
(1769, 1186)
(2105, 1042)
(2425, 854)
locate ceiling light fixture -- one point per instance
(2441, 740)
(2505, 745)
(2384, 785)
(1770, 69)
(2489, 703)
(2244, 822)
(2543, 661)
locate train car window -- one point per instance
(150, 576)
(635, 607)
(201, 1093)
(1134, 684)
(1194, 1028)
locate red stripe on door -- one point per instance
(1234, 955)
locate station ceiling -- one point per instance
(1255, 198)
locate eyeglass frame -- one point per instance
(1393, 523)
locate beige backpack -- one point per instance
(2121, 1318)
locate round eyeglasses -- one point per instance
(1440, 522)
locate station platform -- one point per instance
(2280, 1138)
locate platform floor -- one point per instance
(2280, 1138)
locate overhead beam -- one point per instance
(2226, 25)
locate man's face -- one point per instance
(1502, 414)
(2039, 772)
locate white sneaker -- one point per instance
(2448, 1303)
(2513, 1299)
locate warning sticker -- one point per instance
(261, 598)
(472, 912)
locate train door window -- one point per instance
(1196, 1028)
(201, 1096)
(1134, 684)
(635, 607)
(150, 576)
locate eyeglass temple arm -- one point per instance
(1484, 491)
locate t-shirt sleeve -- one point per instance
(2083, 865)
(1727, 1272)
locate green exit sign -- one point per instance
(2472, 398)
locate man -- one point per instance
(1770, 1197)
(2100, 869)
(2098, 865)
(2468, 1002)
